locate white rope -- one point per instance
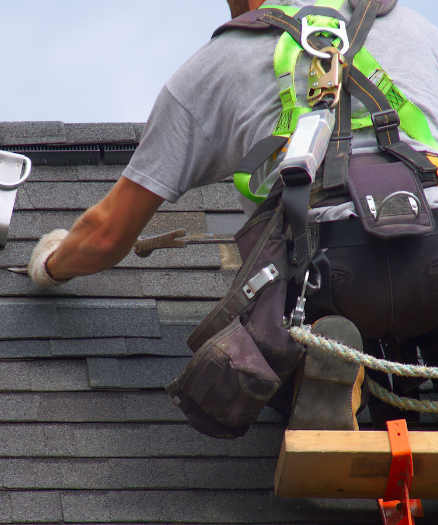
(350, 354)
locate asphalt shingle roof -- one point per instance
(87, 433)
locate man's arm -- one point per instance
(104, 235)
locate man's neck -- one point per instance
(254, 4)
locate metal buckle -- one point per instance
(385, 127)
(307, 30)
(325, 85)
(260, 280)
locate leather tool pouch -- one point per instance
(243, 350)
(228, 379)
(390, 200)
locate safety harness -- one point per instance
(363, 77)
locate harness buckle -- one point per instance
(385, 120)
(326, 85)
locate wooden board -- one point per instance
(337, 464)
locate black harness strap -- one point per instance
(358, 29)
(260, 152)
(335, 175)
(339, 150)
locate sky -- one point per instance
(103, 60)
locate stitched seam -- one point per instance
(360, 25)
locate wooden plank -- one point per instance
(337, 464)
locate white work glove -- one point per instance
(43, 250)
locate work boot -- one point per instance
(328, 392)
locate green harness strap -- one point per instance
(412, 120)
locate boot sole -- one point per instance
(329, 392)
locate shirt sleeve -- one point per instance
(174, 155)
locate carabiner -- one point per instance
(298, 315)
(326, 86)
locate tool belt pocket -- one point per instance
(390, 200)
(228, 379)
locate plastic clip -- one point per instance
(326, 86)
(396, 507)
(298, 316)
(307, 30)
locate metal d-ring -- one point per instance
(416, 206)
(307, 30)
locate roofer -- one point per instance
(225, 100)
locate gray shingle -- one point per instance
(171, 343)
(221, 197)
(117, 440)
(184, 285)
(76, 318)
(60, 195)
(137, 473)
(186, 313)
(134, 372)
(88, 407)
(104, 372)
(86, 347)
(225, 223)
(169, 284)
(232, 507)
(101, 133)
(33, 348)
(29, 225)
(27, 349)
(261, 440)
(96, 172)
(36, 506)
(92, 406)
(43, 376)
(20, 133)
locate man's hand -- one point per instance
(37, 269)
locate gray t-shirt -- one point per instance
(225, 99)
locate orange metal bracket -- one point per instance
(396, 507)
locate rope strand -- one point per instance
(350, 354)
(382, 365)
